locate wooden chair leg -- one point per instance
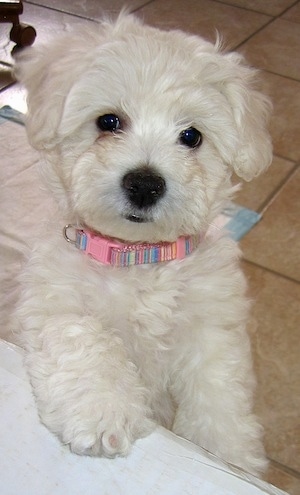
(21, 34)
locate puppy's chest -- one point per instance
(141, 301)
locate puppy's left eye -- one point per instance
(108, 122)
(191, 137)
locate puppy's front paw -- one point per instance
(108, 432)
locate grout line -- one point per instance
(271, 19)
(274, 194)
(262, 70)
(270, 270)
(254, 33)
(294, 161)
(60, 11)
(6, 64)
(242, 8)
(141, 6)
(81, 16)
(286, 9)
(2, 90)
(283, 467)
(275, 16)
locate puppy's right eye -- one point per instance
(108, 122)
(191, 137)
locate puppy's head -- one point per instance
(141, 129)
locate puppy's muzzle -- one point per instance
(143, 187)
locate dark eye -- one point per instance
(108, 122)
(191, 137)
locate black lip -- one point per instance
(136, 219)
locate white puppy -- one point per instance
(140, 131)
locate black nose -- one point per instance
(143, 187)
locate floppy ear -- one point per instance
(251, 111)
(46, 84)
(48, 72)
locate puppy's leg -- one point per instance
(213, 387)
(87, 391)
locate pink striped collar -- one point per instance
(112, 252)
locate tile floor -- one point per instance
(268, 34)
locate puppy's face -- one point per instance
(141, 163)
(142, 134)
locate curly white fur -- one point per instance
(112, 351)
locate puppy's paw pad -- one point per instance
(110, 437)
(115, 444)
(104, 443)
(113, 441)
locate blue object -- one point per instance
(241, 220)
(8, 113)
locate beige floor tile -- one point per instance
(10, 151)
(48, 24)
(276, 349)
(256, 193)
(293, 14)
(282, 479)
(274, 242)
(6, 77)
(276, 48)
(91, 9)
(271, 7)
(204, 17)
(285, 122)
(18, 178)
(5, 44)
